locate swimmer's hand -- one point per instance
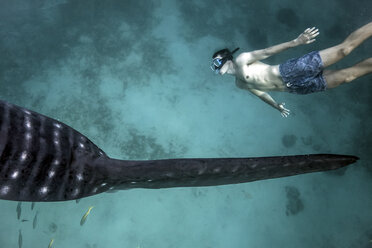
(307, 36)
(283, 111)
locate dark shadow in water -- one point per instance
(294, 203)
(288, 17)
(52, 227)
(140, 146)
(289, 140)
(257, 38)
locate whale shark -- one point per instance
(45, 160)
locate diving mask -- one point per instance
(217, 64)
(220, 58)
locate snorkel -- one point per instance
(220, 58)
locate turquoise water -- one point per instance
(134, 77)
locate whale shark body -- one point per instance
(42, 159)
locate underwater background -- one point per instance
(134, 77)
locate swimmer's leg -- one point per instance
(335, 78)
(333, 54)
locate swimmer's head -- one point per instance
(220, 58)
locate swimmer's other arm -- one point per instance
(269, 100)
(306, 37)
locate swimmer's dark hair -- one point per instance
(225, 53)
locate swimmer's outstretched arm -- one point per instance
(269, 100)
(307, 37)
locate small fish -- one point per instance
(84, 218)
(24, 220)
(19, 210)
(34, 222)
(20, 239)
(32, 205)
(51, 243)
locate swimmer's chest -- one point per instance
(253, 72)
(253, 75)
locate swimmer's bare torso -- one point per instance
(259, 76)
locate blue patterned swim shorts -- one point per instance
(304, 75)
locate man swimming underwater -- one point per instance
(302, 75)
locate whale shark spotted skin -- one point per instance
(42, 159)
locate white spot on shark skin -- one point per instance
(56, 142)
(43, 190)
(4, 190)
(27, 112)
(56, 162)
(57, 125)
(253, 166)
(28, 136)
(23, 156)
(51, 173)
(14, 174)
(133, 182)
(79, 177)
(235, 169)
(81, 145)
(103, 184)
(202, 170)
(149, 180)
(56, 133)
(169, 174)
(75, 192)
(27, 122)
(94, 190)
